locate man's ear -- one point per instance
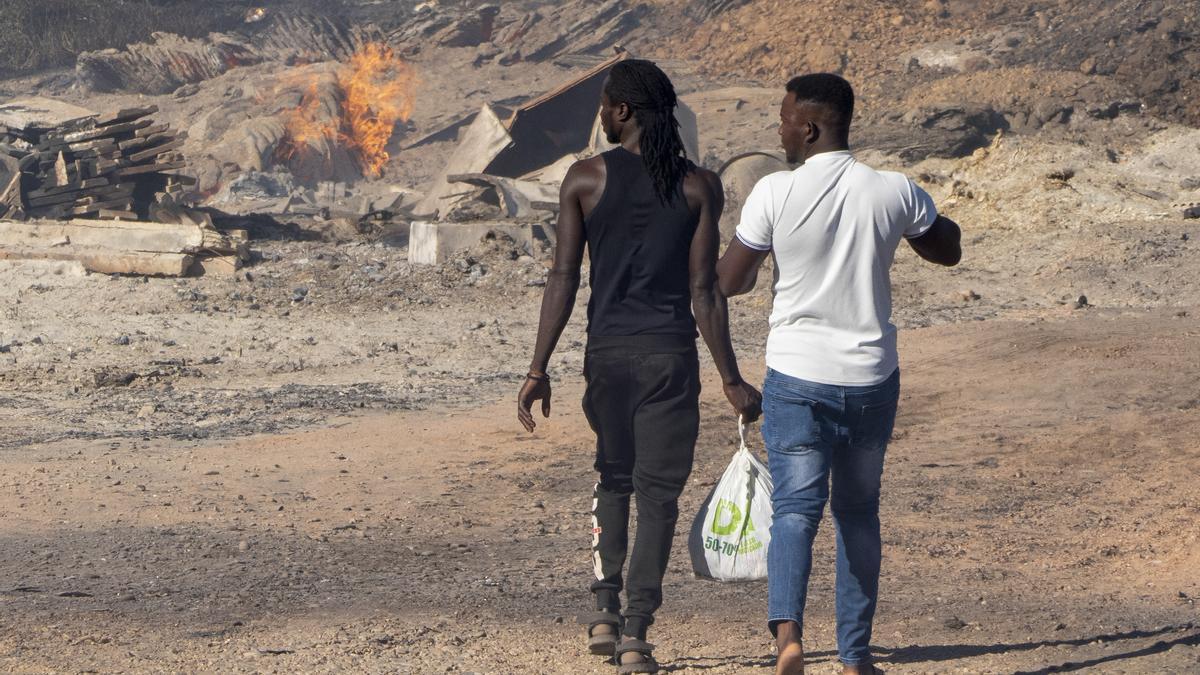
(812, 133)
(624, 112)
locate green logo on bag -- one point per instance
(729, 518)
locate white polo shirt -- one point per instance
(833, 225)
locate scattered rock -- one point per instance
(1061, 175)
(1081, 302)
(113, 378)
(122, 340)
(935, 131)
(187, 90)
(954, 623)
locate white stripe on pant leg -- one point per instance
(597, 567)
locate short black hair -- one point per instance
(829, 90)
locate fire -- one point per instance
(374, 92)
(309, 127)
(378, 87)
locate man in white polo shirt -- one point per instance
(833, 382)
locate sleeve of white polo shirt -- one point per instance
(922, 209)
(755, 228)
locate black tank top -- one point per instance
(639, 255)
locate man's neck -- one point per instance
(631, 140)
(832, 147)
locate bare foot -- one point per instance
(605, 629)
(864, 669)
(791, 649)
(630, 658)
(636, 658)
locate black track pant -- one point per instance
(643, 402)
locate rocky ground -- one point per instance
(1035, 523)
(314, 466)
(1146, 50)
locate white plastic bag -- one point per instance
(730, 534)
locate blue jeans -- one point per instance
(813, 430)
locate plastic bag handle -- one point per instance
(742, 431)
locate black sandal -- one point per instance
(604, 644)
(629, 645)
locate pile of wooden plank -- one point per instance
(100, 192)
(189, 247)
(107, 166)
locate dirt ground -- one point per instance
(1040, 516)
(315, 466)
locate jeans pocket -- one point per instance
(790, 424)
(874, 425)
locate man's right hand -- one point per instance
(532, 390)
(745, 399)
(941, 243)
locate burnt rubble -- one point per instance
(505, 33)
(102, 166)
(170, 61)
(101, 191)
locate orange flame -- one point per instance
(375, 92)
(378, 87)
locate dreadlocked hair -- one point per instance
(647, 90)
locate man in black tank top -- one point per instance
(648, 218)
